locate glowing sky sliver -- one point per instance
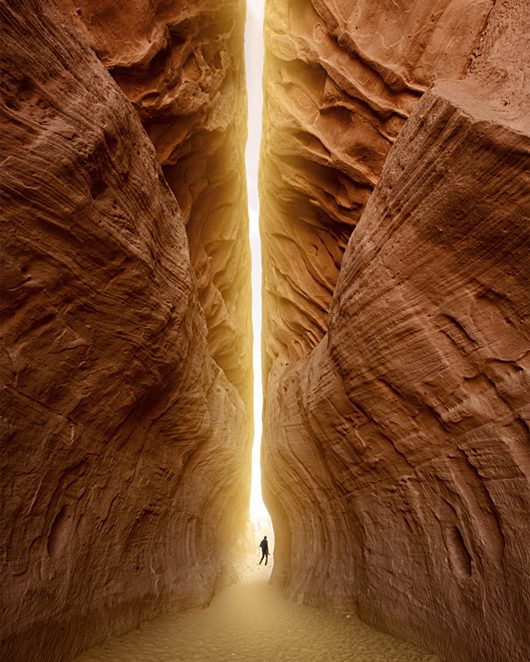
(254, 49)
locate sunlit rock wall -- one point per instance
(397, 457)
(341, 79)
(181, 65)
(123, 457)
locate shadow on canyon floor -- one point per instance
(252, 622)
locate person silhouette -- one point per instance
(264, 544)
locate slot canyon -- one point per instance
(394, 216)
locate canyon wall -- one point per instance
(181, 66)
(397, 458)
(125, 445)
(340, 81)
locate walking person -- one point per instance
(264, 544)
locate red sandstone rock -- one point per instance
(397, 457)
(181, 66)
(124, 449)
(341, 79)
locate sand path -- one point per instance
(252, 622)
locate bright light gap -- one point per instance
(254, 50)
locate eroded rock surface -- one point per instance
(124, 446)
(181, 66)
(397, 454)
(341, 78)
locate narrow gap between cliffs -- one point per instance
(254, 50)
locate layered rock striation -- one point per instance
(340, 81)
(397, 462)
(181, 65)
(124, 445)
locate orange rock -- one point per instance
(341, 78)
(407, 425)
(124, 446)
(181, 66)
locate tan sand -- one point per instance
(252, 622)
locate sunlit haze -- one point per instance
(254, 66)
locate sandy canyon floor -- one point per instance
(252, 622)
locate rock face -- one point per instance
(409, 421)
(340, 81)
(181, 66)
(124, 446)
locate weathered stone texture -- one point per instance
(341, 79)
(124, 447)
(409, 422)
(181, 66)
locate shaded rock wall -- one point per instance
(124, 446)
(397, 457)
(181, 66)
